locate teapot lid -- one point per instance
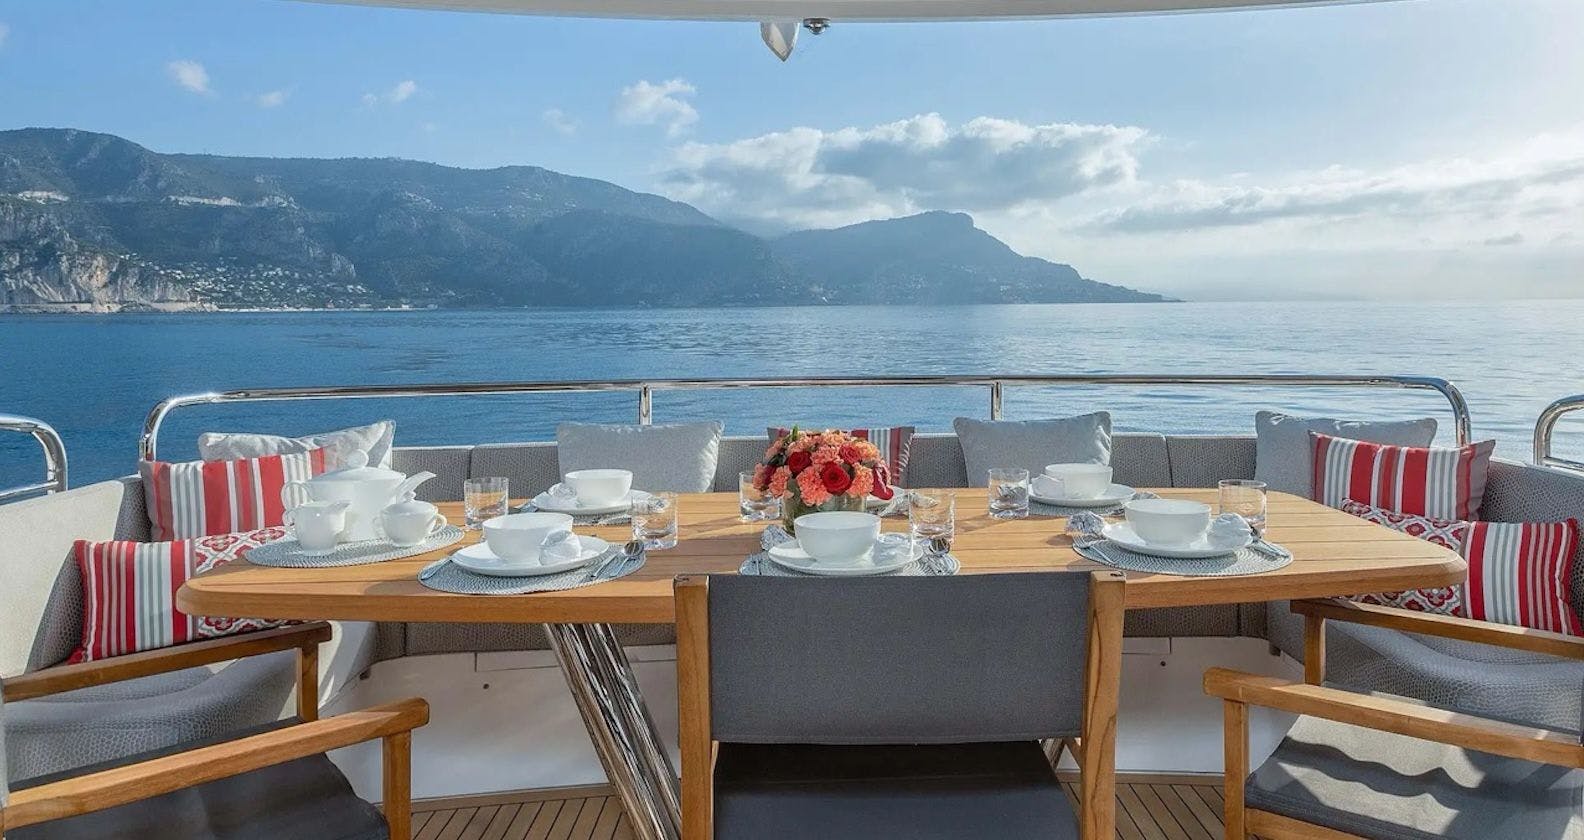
(355, 467)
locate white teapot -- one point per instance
(367, 490)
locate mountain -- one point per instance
(94, 222)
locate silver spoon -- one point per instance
(935, 559)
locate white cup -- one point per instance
(520, 536)
(410, 527)
(1168, 521)
(595, 488)
(837, 536)
(1074, 481)
(317, 526)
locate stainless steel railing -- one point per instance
(54, 456)
(645, 388)
(1547, 424)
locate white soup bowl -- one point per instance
(837, 536)
(520, 536)
(1080, 481)
(1168, 521)
(600, 487)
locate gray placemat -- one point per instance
(457, 580)
(286, 553)
(1244, 561)
(939, 565)
(1038, 508)
(618, 518)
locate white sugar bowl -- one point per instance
(410, 521)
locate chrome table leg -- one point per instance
(624, 735)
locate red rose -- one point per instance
(882, 483)
(799, 461)
(849, 453)
(835, 478)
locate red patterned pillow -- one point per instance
(894, 443)
(208, 498)
(1519, 574)
(129, 592)
(1428, 481)
(1445, 600)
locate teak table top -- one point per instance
(1335, 554)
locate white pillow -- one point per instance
(1284, 455)
(1031, 444)
(375, 439)
(679, 457)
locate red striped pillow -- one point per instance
(1519, 574)
(129, 592)
(207, 498)
(894, 443)
(1428, 481)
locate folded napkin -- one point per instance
(889, 545)
(562, 492)
(560, 546)
(1229, 529)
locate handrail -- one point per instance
(1547, 424)
(645, 388)
(54, 456)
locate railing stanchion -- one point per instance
(54, 456)
(995, 399)
(1547, 424)
(645, 405)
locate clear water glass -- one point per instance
(932, 515)
(1009, 493)
(484, 498)
(756, 505)
(1246, 499)
(654, 520)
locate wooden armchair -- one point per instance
(95, 803)
(1372, 766)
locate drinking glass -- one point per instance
(932, 515)
(1009, 493)
(654, 520)
(484, 498)
(756, 505)
(1246, 499)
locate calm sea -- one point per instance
(95, 377)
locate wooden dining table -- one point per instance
(1333, 554)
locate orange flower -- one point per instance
(811, 488)
(778, 482)
(862, 483)
(826, 455)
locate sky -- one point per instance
(1418, 148)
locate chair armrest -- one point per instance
(149, 662)
(159, 776)
(1397, 716)
(1446, 626)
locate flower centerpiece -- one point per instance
(829, 470)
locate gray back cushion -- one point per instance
(900, 660)
(1523, 493)
(737, 454)
(1031, 444)
(679, 457)
(448, 463)
(530, 468)
(1284, 456)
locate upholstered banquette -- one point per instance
(42, 620)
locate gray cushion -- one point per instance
(898, 660)
(375, 440)
(1031, 444)
(679, 457)
(1284, 457)
(306, 799)
(1389, 787)
(450, 464)
(956, 792)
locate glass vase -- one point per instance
(792, 507)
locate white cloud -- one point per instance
(190, 75)
(806, 176)
(400, 92)
(5, 32)
(558, 120)
(272, 99)
(664, 104)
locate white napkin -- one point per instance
(1229, 529)
(1049, 486)
(889, 545)
(563, 493)
(560, 547)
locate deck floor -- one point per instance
(1158, 809)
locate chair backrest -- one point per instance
(898, 660)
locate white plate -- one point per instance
(1123, 535)
(792, 556)
(551, 504)
(1114, 495)
(872, 501)
(478, 558)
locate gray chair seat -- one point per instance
(78, 728)
(306, 799)
(932, 792)
(1389, 787)
(1484, 680)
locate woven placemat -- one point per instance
(939, 565)
(618, 518)
(1244, 561)
(287, 554)
(454, 579)
(1039, 508)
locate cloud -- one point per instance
(806, 176)
(400, 92)
(664, 104)
(5, 32)
(558, 120)
(272, 99)
(190, 75)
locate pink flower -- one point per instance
(826, 455)
(811, 488)
(778, 482)
(862, 481)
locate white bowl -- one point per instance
(600, 487)
(518, 536)
(837, 536)
(1168, 521)
(1080, 481)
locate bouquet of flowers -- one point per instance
(829, 470)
